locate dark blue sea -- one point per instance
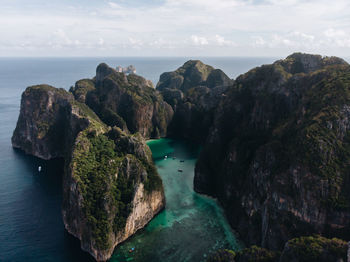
(31, 227)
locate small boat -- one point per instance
(179, 170)
(165, 157)
(182, 161)
(39, 168)
(131, 250)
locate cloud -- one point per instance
(258, 41)
(62, 37)
(292, 40)
(101, 41)
(222, 27)
(331, 33)
(337, 37)
(114, 5)
(199, 40)
(221, 41)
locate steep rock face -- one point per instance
(193, 90)
(81, 88)
(126, 192)
(129, 102)
(111, 187)
(41, 125)
(277, 153)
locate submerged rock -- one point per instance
(277, 154)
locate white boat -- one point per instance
(39, 168)
(165, 157)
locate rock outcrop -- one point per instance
(127, 101)
(277, 155)
(41, 124)
(111, 186)
(314, 249)
(81, 88)
(111, 190)
(301, 249)
(194, 91)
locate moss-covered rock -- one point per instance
(314, 249)
(81, 88)
(302, 249)
(256, 254)
(41, 125)
(222, 255)
(193, 73)
(194, 91)
(129, 102)
(277, 155)
(112, 189)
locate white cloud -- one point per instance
(221, 27)
(221, 41)
(114, 5)
(337, 37)
(199, 40)
(258, 41)
(101, 41)
(331, 32)
(62, 37)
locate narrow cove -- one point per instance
(192, 226)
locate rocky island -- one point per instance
(275, 152)
(111, 187)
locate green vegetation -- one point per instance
(106, 178)
(303, 249)
(95, 164)
(316, 249)
(39, 89)
(257, 254)
(222, 255)
(309, 133)
(251, 254)
(81, 88)
(131, 103)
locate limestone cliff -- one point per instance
(111, 187)
(111, 190)
(194, 91)
(126, 101)
(42, 121)
(277, 155)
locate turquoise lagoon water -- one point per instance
(31, 227)
(191, 226)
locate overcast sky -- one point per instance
(174, 27)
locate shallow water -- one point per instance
(191, 226)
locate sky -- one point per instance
(93, 28)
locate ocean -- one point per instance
(31, 228)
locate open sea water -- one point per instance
(31, 229)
